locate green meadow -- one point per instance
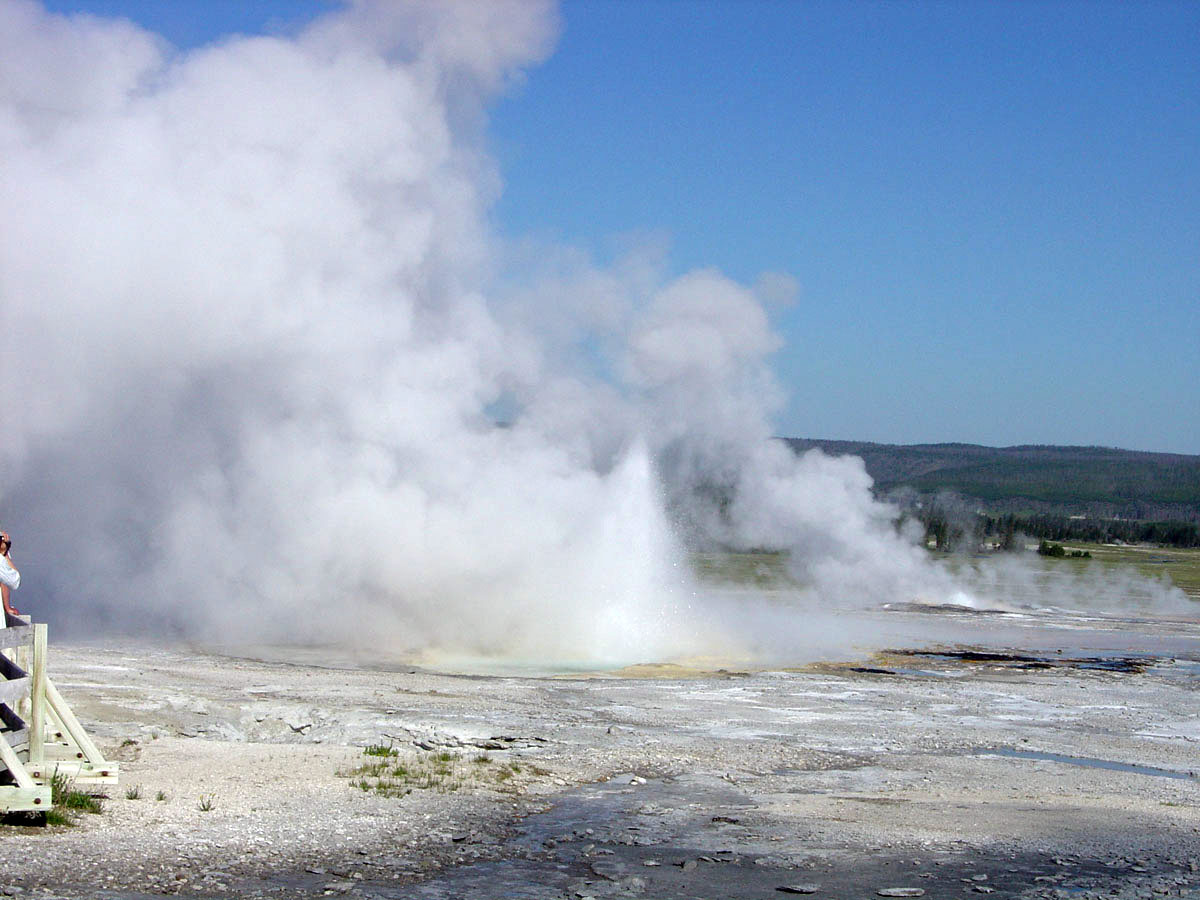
(769, 570)
(1181, 566)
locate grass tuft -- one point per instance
(65, 800)
(60, 786)
(56, 816)
(81, 802)
(134, 793)
(380, 750)
(160, 796)
(208, 802)
(442, 771)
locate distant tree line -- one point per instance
(949, 527)
(1098, 531)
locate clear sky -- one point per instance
(993, 209)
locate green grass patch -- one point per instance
(441, 771)
(380, 750)
(66, 801)
(58, 817)
(761, 569)
(1179, 565)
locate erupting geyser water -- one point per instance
(642, 610)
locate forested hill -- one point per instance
(1096, 481)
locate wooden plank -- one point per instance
(9, 757)
(37, 694)
(74, 729)
(55, 752)
(79, 772)
(14, 636)
(17, 738)
(13, 691)
(18, 799)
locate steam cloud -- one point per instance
(257, 335)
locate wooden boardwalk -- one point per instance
(39, 735)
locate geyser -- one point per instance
(253, 333)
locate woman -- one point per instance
(10, 578)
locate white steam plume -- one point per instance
(255, 331)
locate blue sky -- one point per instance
(993, 209)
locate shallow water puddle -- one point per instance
(1086, 761)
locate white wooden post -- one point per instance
(37, 696)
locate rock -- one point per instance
(901, 892)
(798, 888)
(651, 862)
(610, 869)
(687, 865)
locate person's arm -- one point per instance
(8, 607)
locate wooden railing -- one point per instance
(39, 734)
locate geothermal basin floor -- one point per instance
(1061, 768)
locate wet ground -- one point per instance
(701, 837)
(1047, 757)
